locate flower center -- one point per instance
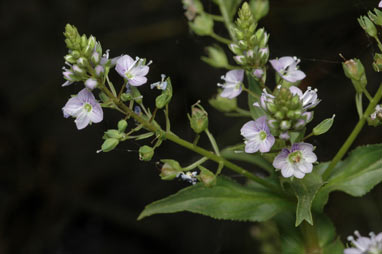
(263, 135)
(129, 75)
(295, 157)
(88, 107)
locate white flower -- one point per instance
(84, 108)
(287, 68)
(377, 112)
(257, 136)
(233, 83)
(160, 85)
(309, 99)
(365, 245)
(133, 71)
(296, 161)
(380, 4)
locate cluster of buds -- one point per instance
(84, 60)
(375, 118)
(251, 45)
(287, 109)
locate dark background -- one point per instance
(58, 196)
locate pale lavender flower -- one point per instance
(69, 76)
(296, 161)
(380, 4)
(160, 85)
(258, 73)
(257, 136)
(84, 108)
(233, 83)
(309, 99)
(287, 68)
(377, 112)
(134, 71)
(365, 245)
(91, 83)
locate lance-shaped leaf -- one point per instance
(305, 190)
(356, 175)
(226, 200)
(254, 87)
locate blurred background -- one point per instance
(57, 195)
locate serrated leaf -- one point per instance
(226, 200)
(305, 190)
(254, 86)
(356, 175)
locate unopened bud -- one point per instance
(126, 97)
(70, 59)
(377, 64)
(146, 153)
(91, 83)
(90, 45)
(112, 134)
(355, 71)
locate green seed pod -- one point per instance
(112, 134)
(109, 144)
(198, 118)
(368, 26)
(355, 71)
(202, 25)
(146, 153)
(122, 125)
(170, 169)
(207, 177)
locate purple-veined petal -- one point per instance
(235, 76)
(287, 171)
(251, 147)
(82, 120)
(137, 81)
(249, 129)
(73, 107)
(294, 76)
(96, 115)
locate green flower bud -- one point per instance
(88, 49)
(76, 54)
(82, 62)
(113, 134)
(377, 17)
(72, 37)
(285, 125)
(279, 115)
(70, 59)
(198, 118)
(83, 41)
(146, 153)
(216, 57)
(170, 169)
(122, 125)
(324, 126)
(109, 144)
(262, 37)
(260, 8)
(355, 71)
(104, 98)
(193, 7)
(368, 26)
(223, 104)
(207, 177)
(272, 107)
(202, 25)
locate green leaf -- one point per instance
(356, 175)
(305, 190)
(226, 200)
(324, 126)
(254, 86)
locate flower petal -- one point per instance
(82, 120)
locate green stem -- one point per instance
(213, 142)
(251, 93)
(227, 20)
(215, 17)
(195, 164)
(243, 112)
(168, 124)
(220, 39)
(311, 242)
(349, 141)
(174, 138)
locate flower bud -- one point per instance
(285, 125)
(146, 153)
(207, 177)
(198, 118)
(83, 41)
(109, 144)
(260, 8)
(126, 97)
(262, 37)
(82, 62)
(170, 169)
(122, 125)
(89, 46)
(223, 104)
(202, 25)
(235, 48)
(70, 59)
(324, 126)
(78, 70)
(76, 54)
(216, 57)
(91, 83)
(104, 98)
(368, 26)
(99, 70)
(95, 58)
